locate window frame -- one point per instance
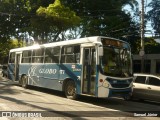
(36, 57)
(140, 82)
(148, 81)
(52, 52)
(73, 54)
(27, 57)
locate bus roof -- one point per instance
(94, 39)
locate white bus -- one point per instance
(93, 66)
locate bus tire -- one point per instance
(70, 90)
(24, 81)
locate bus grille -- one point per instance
(120, 85)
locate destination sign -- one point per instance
(116, 43)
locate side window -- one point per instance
(37, 56)
(52, 55)
(12, 58)
(26, 56)
(154, 81)
(140, 79)
(71, 54)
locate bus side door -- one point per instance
(89, 71)
(17, 62)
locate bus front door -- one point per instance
(89, 71)
(17, 62)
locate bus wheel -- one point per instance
(24, 81)
(70, 90)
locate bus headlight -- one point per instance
(114, 81)
(105, 84)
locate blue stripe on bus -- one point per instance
(38, 73)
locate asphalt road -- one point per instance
(39, 103)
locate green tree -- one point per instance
(58, 19)
(154, 15)
(6, 46)
(100, 17)
(50, 21)
(151, 46)
(107, 18)
(16, 17)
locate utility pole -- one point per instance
(142, 53)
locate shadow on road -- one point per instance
(6, 87)
(112, 103)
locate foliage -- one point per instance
(151, 46)
(154, 14)
(6, 46)
(54, 20)
(107, 18)
(16, 16)
(58, 18)
(101, 17)
(97, 17)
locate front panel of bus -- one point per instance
(115, 69)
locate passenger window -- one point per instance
(154, 81)
(26, 56)
(37, 56)
(52, 55)
(71, 54)
(140, 79)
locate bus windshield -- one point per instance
(116, 61)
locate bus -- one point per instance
(76, 67)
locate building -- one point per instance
(151, 63)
